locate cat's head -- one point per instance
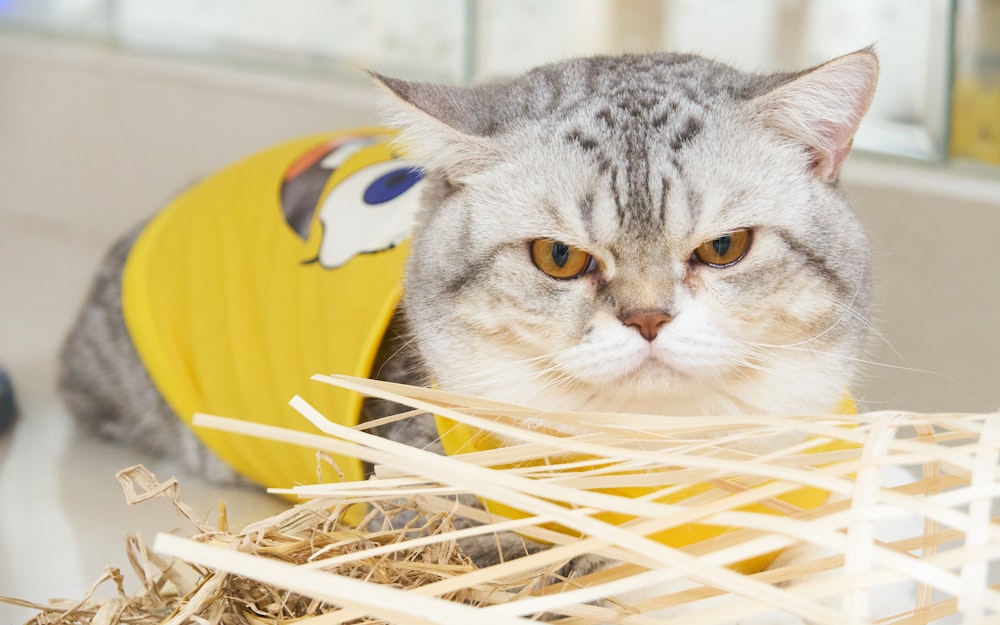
(656, 233)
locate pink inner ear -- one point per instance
(838, 140)
(823, 108)
(833, 170)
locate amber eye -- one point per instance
(560, 260)
(725, 250)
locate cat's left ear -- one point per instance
(443, 127)
(822, 108)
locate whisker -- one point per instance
(491, 372)
(408, 341)
(877, 333)
(767, 346)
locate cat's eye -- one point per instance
(726, 250)
(560, 260)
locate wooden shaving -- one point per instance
(405, 563)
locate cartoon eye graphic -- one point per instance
(391, 185)
(370, 210)
(304, 181)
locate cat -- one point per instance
(656, 233)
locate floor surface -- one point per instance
(93, 142)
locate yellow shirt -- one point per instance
(459, 438)
(286, 264)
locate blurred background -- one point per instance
(109, 107)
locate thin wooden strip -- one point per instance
(815, 588)
(754, 554)
(374, 599)
(456, 400)
(558, 602)
(412, 543)
(368, 493)
(505, 488)
(894, 563)
(958, 460)
(975, 574)
(861, 530)
(444, 467)
(513, 490)
(950, 516)
(908, 567)
(954, 420)
(514, 569)
(971, 479)
(374, 423)
(933, 612)
(561, 601)
(931, 471)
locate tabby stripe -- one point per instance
(477, 267)
(814, 262)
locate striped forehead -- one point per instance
(637, 152)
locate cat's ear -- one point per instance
(822, 107)
(445, 128)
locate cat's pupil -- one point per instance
(721, 245)
(560, 254)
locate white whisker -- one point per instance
(844, 357)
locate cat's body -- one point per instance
(658, 234)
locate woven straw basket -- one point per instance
(698, 521)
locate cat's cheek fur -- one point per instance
(498, 337)
(608, 353)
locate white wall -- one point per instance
(93, 140)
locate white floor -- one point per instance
(92, 142)
(64, 516)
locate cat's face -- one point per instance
(646, 241)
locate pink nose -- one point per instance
(647, 324)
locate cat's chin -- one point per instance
(656, 373)
(654, 388)
(651, 382)
(629, 361)
(658, 387)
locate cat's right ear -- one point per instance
(440, 126)
(822, 107)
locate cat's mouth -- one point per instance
(627, 363)
(656, 369)
(648, 370)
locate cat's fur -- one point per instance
(637, 160)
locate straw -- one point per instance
(609, 491)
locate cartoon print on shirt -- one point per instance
(363, 206)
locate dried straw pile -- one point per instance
(605, 491)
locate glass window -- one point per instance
(460, 41)
(912, 38)
(343, 35)
(81, 17)
(975, 130)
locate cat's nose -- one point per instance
(647, 323)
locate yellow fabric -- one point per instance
(459, 438)
(219, 295)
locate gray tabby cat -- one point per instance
(654, 233)
(659, 234)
